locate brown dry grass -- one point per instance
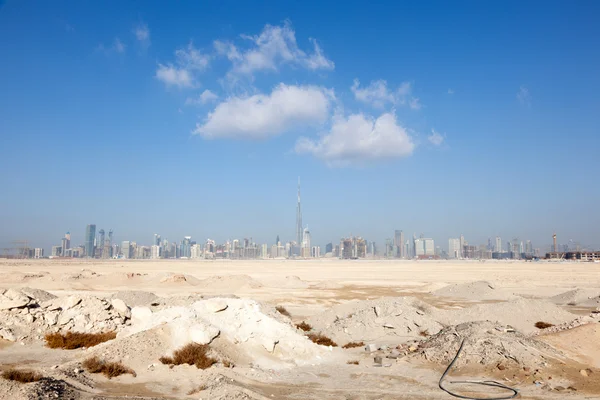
(75, 340)
(352, 362)
(192, 354)
(197, 390)
(543, 325)
(304, 326)
(322, 340)
(352, 345)
(108, 369)
(23, 376)
(424, 333)
(283, 311)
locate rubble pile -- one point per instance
(578, 297)
(487, 344)
(477, 291)
(594, 317)
(385, 319)
(27, 314)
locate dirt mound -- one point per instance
(580, 343)
(84, 274)
(487, 344)
(180, 279)
(293, 282)
(18, 277)
(479, 290)
(252, 333)
(134, 298)
(229, 283)
(578, 297)
(385, 319)
(521, 314)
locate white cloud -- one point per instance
(524, 97)
(261, 116)
(378, 95)
(117, 47)
(206, 97)
(275, 46)
(359, 138)
(435, 138)
(173, 76)
(191, 58)
(414, 104)
(142, 34)
(189, 61)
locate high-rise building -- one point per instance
(156, 240)
(155, 251)
(315, 252)
(399, 244)
(305, 252)
(56, 251)
(424, 247)
(65, 243)
(90, 236)
(126, 249)
(454, 248)
(498, 247)
(38, 252)
(462, 246)
(299, 218)
(329, 248)
(185, 247)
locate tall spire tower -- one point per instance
(298, 219)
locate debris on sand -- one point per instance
(578, 297)
(134, 298)
(488, 344)
(477, 291)
(391, 318)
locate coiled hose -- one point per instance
(484, 383)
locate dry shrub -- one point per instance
(304, 326)
(109, 369)
(192, 354)
(283, 311)
(75, 340)
(23, 376)
(322, 340)
(424, 333)
(543, 325)
(197, 390)
(352, 362)
(352, 345)
(227, 364)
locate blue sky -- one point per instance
(196, 118)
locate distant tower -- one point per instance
(298, 219)
(554, 245)
(90, 236)
(277, 240)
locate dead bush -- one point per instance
(352, 362)
(75, 340)
(353, 345)
(192, 354)
(283, 311)
(424, 333)
(109, 369)
(304, 326)
(322, 340)
(23, 376)
(543, 325)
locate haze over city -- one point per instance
(195, 122)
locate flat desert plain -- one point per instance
(298, 329)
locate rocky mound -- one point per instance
(578, 297)
(253, 333)
(385, 319)
(24, 318)
(487, 344)
(134, 298)
(521, 314)
(479, 290)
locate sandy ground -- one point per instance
(310, 290)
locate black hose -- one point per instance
(484, 383)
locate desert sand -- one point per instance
(411, 316)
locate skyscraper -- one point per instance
(298, 219)
(454, 248)
(399, 244)
(65, 244)
(498, 247)
(90, 236)
(305, 252)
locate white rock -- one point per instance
(51, 318)
(70, 302)
(67, 316)
(7, 334)
(13, 299)
(141, 314)
(29, 318)
(215, 305)
(371, 348)
(121, 308)
(203, 334)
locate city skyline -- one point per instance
(449, 123)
